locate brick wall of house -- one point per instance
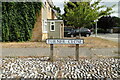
(37, 31)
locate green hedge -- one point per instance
(18, 19)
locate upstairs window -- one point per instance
(45, 25)
(45, 3)
(52, 26)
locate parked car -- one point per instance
(66, 31)
(82, 31)
(116, 29)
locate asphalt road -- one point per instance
(112, 37)
(61, 52)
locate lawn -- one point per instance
(90, 42)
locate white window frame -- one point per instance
(51, 25)
(44, 28)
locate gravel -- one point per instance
(61, 68)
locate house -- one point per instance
(47, 24)
(55, 28)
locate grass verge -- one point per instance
(90, 42)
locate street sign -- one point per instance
(76, 41)
(65, 41)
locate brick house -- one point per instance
(43, 25)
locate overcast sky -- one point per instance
(108, 3)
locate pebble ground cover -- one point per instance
(67, 68)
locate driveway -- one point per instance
(113, 37)
(61, 52)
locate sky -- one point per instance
(108, 3)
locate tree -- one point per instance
(58, 11)
(116, 21)
(83, 14)
(106, 22)
(70, 6)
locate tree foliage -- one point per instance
(116, 21)
(83, 14)
(18, 19)
(106, 22)
(58, 11)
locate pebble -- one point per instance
(41, 68)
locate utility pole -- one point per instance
(96, 28)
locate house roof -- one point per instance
(50, 3)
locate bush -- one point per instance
(18, 19)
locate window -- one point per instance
(52, 26)
(45, 3)
(61, 24)
(48, 8)
(44, 26)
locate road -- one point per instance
(112, 37)
(61, 52)
(64, 52)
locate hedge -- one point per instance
(18, 19)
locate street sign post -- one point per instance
(76, 41)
